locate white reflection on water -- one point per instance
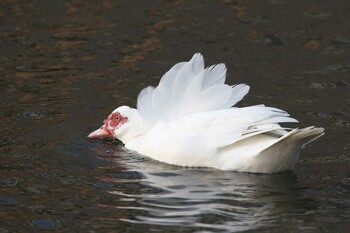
(205, 198)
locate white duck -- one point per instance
(188, 120)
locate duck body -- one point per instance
(189, 120)
(197, 141)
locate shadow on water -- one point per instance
(153, 193)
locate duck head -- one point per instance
(124, 123)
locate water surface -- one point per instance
(64, 66)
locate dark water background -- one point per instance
(65, 65)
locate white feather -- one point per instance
(188, 120)
(186, 88)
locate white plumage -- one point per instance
(188, 120)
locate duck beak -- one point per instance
(100, 133)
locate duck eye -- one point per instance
(117, 118)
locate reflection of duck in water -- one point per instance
(212, 199)
(188, 120)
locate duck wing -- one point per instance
(200, 139)
(188, 87)
(227, 126)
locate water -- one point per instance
(64, 66)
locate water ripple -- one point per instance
(214, 200)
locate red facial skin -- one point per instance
(115, 119)
(110, 125)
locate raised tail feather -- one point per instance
(284, 153)
(309, 134)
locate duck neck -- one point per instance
(136, 127)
